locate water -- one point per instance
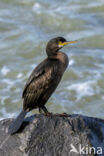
(25, 28)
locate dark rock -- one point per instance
(54, 136)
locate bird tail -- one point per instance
(16, 124)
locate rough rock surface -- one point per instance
(54, 136)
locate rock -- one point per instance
(71, 135)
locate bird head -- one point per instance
(55, 44)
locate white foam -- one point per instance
(71, 62)
(3, 98)
(15, 100)
(84, 33)
(37, 8)
(78, 112)
(96, 4)
(83, 89)
(6, 115)
(33, 66)
(19, 75)
(5, 70)
(100, 65)
(8, 81)
(17, 90)
(102, 97)
(36, 5)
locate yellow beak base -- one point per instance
(61, 44)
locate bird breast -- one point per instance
(63, 58)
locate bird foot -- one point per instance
(62, 115)
(48, 114)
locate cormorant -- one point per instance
(43, 81)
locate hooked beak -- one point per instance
(61, 44)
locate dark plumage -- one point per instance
(43, 81)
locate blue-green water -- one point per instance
(25, 28)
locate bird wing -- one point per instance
(39, 73)
(36, 73)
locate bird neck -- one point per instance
(51, 51)
(62, 57)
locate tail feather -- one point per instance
(16, 124)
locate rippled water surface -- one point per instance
(25, 28)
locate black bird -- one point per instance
(43, 81)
